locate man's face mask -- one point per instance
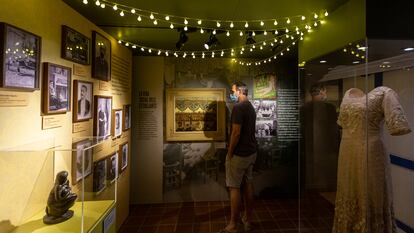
(233, 97)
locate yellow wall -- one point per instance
(22, 125)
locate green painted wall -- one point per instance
(344, 25)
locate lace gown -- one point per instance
(364, 199)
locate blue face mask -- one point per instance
(233, 97)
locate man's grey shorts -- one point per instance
(239, 167)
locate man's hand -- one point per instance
(229, 156)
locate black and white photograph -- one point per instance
(112, 167)
(123, 156)
(75, 46)
(101, 50)
(265, 109)
(102, 116)
(81, 160)
(266, 128)
(82, 103)
(99, 175)
(56, 88)
(20, 61)
(126, 117)
(117, 126)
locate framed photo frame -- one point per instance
(101, 50)
(102, 116)
(196, 114)
(56, 88)
(75, 46)
(82, 100)
(117, 122)
(126, 117)
(20, 59)
(81, 148)
(264, 86)
(99, 175)
(112, 167)
(123, 156)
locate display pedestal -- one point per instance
(94, 213)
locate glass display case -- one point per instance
(31, 184)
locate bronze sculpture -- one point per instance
(61, 198)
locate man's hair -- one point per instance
(84, 86)
(242, 87)
(316, 89)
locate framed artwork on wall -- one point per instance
(123, 156)
(264, 86)
(101, 50)
(56, 88)
(99, 175)
(117, 120)
(79, 172)
(126, 117)
(102, 116)
(20, 59)
(112, 167)
(75, 46)
(196, 114)
(82, 100)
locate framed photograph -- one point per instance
(117, 119)
(196, 114)
(265, 109)
(82, 154)
(112, 167)
(102, 116)
(75, 46)
(20, 59)
(56, 88)
(123, 156)
(82, 100)
(101, 50)
(264, 86)
(126, 117)
(266, 128)
(99, 175)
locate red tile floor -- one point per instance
(279, 215)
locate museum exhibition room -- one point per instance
(206, 116)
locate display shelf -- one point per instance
(94, 212)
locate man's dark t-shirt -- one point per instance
(244, 115)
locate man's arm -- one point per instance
(234, 139)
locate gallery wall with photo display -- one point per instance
(67, 82)
(196, 126)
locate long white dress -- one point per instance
(364, 198)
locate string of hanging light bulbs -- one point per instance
(206, 24)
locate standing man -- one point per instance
(241, 157)
(84, 105)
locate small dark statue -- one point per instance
(61, 198)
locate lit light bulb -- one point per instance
(293, 43)
(261, 47)
(315, 16)
(297, 29)
(228, 33)
(253, 33)
(155, 22)
(287, 36)
(274, 57)
(167, 17)
(149, 50)
(201, 31)
(102, 5)
(119, 41)
(122, 13)
(251, 49)
(185, 21)
(287, 30)
(151, 16)
(134, 46)
(261, 23)
(301, 38)
(281, 54)
(303, 17)
(115, 7)
(184, 55)
(214, 32)
(287, 49)
(326, 13)
(281, 41)
(139, 18)
(276, 32)
(212, 54)
(241, 33)
(231, 25)
(242, 48)
(246, 25)
(218, 24)
(171, 26)
(271, 44)
(199, 22)
(288, 21)
(264, 42)
(133, 11)
(315, 24)
(254, 46)
(265, 33)
(159, 52)
(85, 1)
(185, 28)
(275, 23)
(127, 44)
(166, 53)
(97, 3)
(222, 53)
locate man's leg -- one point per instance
(248, 192)
(235, 209)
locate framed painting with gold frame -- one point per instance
(196, 114)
